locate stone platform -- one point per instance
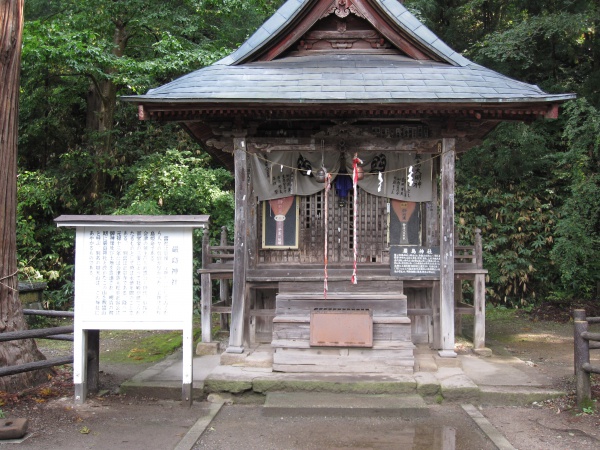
(468, 378)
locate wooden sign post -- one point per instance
(132, 273)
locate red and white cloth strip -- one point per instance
(355, 162)
(326, 217)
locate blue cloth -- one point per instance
(343, 185)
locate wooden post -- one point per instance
(435, 313)
(458, 298)
(581, 357)
(224, 286)
(478, 249)
(447, 250)
(205, 291)
(93, 362)
(479, 316)
(479, 297)
(433, 239)
(80, 361)
(238, 299)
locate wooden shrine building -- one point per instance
(341, 120)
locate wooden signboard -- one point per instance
(132, 273)
(414, 261)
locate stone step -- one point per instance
(344, 404)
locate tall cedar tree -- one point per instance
(11, 314)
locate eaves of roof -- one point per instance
(350, 78)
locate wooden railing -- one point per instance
(217, 263)
(584, 341)
(60, 333)
(468, 265)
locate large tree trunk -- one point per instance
(101, 104)
(11, 314)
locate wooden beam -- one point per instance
(238, 298)
(332, 144)
(272, 108)
(447, 250)
(37, 365)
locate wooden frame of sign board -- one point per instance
(269, 224)
(132, 273)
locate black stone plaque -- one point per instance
(414, 261)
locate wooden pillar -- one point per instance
(432, 240)
(224, 286)
(479, 316)
(205, 292)
(479, 297)
(447, 250)
(252, 245)
(238, 298)
(435, 295)
(458, 298)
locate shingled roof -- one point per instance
(441, 76)
(347, 79)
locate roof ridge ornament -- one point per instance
(342, 8)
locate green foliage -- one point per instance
(177, 182)
(517, 234)
(533, 190)
(43, 250)
(502, 189)
(69, 51)
(587, 407)
(578, 229)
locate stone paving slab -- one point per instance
(501, 372)
(344, 404)
(456, 386)
(516, 395)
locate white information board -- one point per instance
(132, 273)
(138, 277)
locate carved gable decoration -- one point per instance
(336, 32)
(342, 8)
(344, 26)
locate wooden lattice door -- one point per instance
(372, 223)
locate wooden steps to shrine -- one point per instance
(379, 341)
